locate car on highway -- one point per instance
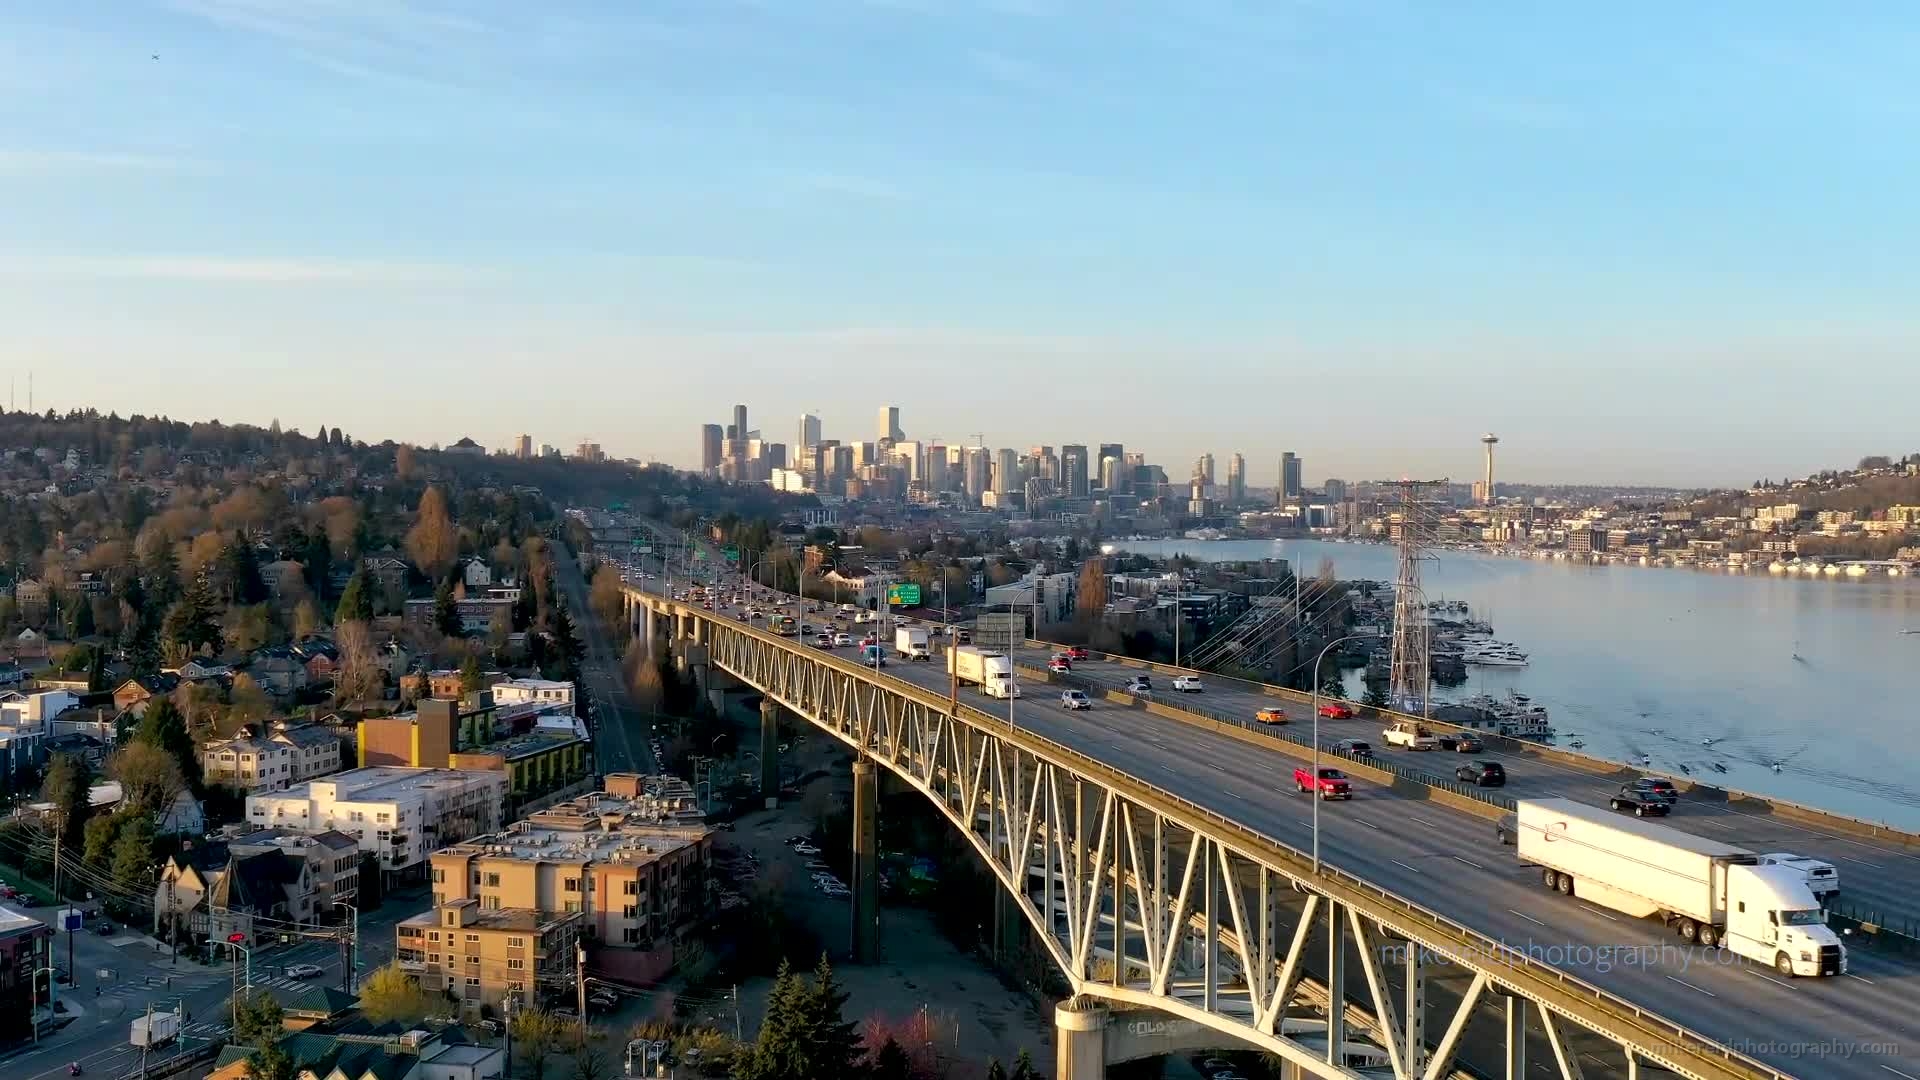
(1059, 666)
(1359, 748)
(1482, 774)
(1139, 684)
(1270, 715)
(1659, 787)
(1461, 742)
(873, 654)
(824, 641)
(1074, 699)
(1639, 802)
(1330, 784)
(1507, 829)
(843, 641)
(304, 971)
(806, 628)
(1076, 652)
(1187, 684)
(1062, 658)
(1334, 710)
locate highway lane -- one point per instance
(619, 745)
(1450, 863)
(1877, 875)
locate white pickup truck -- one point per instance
(1409, 736)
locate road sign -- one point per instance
(733, 554)
(906, 594)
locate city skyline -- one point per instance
(1507, 233)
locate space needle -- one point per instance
(1486, 493)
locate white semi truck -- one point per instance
(1710, 893)
(157, 1029)
(911, 643)
(991, 671)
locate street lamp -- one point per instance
(52, 992)
(1317, 799)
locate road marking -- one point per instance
(1215, 766)
(1690, 986)
(1598, 912)
(1719, 824)
(1767, 977)
(1897, 1072)
(1851, 975)
(1367, 823)
(1469, 862)
(1423, 821)
(1236, 795)
(1528, 917)
(1862, 862)
(1397, 862)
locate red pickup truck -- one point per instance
(1332, 784)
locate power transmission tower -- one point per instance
(1409, 666)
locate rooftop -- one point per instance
(381, 782)
(524, 919)
(596, 827)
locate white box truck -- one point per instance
(911, 643)
(991, 671)
(158, 1029)
(1711, 893)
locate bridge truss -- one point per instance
(1145, 900)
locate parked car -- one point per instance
(1074, 699)
(1187, 684)
(1334, 710)
(304, 971)
(1482, 774)
(1270, 715)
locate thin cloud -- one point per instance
(861, 187)
(240, 270)
(392, 41)
(17, 162)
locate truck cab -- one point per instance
(1410, 736)
(1773, 919)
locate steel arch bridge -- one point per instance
(1144, 900)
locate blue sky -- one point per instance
(1643, 242)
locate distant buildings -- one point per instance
(711, 447)
(397, 815)
(1290, 485)
(888, 428)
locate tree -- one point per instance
(160, 576)
(359, 673)
(133, 856)
(240, 580)
(537, 1034)
(803, 1034)
(891, 1063)
(589, 1062)
(356, 600)
(608, 596)
(1023, 1068)
(248, 702)
(149, 776)
(446, 615)
(403, 464)
(193, 622)
(269, 1063)
(162, 727)
(97, 845)
(66, 785)
(1376, 695)
(995, 1070)
(316, 559)
(389, 994)
(434, 540)
(79, 618)
(257, 1020)
(564, 637)
(1091, 602)
(835, 1039)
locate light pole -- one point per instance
(52, 992)
(1317, 800)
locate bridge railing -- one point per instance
(1546, 984)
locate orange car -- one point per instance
(1271, 716)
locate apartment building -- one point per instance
(483, 957)
(634, 865)
(398, 815)
(542, 762)
(332, 858)
(289, 754)
(424, 738)
(554, 692)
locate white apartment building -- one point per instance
(398, 814)
(29, 710)
(291, 754)
(557, 693)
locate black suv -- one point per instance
(1639, 801)
(1482, 774)
(1659, 789)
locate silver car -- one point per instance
(1074, 699)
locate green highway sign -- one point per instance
(733, 554)
(906, 594)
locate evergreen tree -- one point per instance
(241, 583)
(258, 1020)
(317, 559)
(133, 853)
(163, 726)
(891, 1063)
(470, 675)
(193, 622)
(565, 640)
(66, 785)
(995, 1070)
(356, 600)
(780, 1050)
(80, 618)
(446, 617)
(833, 1041)
(1023, 1068)
(269, 1063)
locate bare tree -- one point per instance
(1092, 599)
(434, 540)
(358, 675)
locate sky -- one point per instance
(1643, 242)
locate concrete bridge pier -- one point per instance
(647, 628)
(770, 752)
(1079, 1039)
(866, 862)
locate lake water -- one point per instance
(1812, 674)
